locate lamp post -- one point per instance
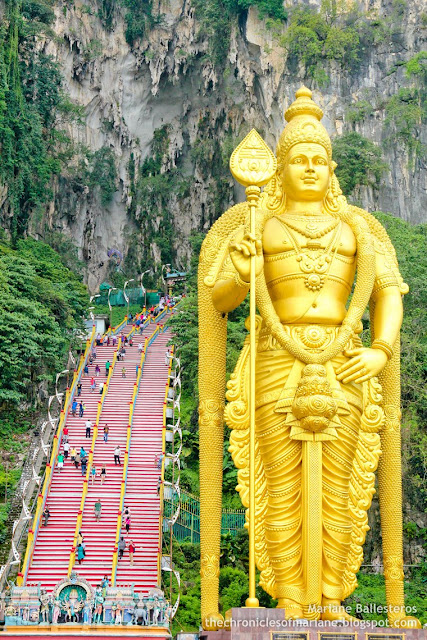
(167, 267)
(98, 295)
(143, 289)
(109, 304)
(124, 292)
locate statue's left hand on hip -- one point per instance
(363, 365)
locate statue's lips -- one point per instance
(309, 180)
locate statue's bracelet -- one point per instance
(240, 283)
(384, 346)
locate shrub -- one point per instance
(359, 162)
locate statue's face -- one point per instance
(306, 174)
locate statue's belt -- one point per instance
(313, 416)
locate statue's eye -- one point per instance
(321, 161)
(297, 161)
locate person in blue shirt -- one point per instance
(74, 407)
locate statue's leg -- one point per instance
(338, 456)
(282, 461)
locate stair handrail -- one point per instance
(126, 463)
(42, 496)
(124, 322)
(90, 461)
(162, 473)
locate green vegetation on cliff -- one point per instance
(41, 306)
(32, 106)
(360, 161)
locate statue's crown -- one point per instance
(303, 106)
(303, 117)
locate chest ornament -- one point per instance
(313, 260)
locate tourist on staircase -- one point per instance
(107, 367)
(88, 428)
(93, 474)
(46, 516)
(81, 409)
(60, 461)
(103, 475)
(106, 431)
(121, 547)
(131, 549)
(117, 455)
(66, 447)
(97, 509)
(80, 553)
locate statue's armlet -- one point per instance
(386, 278)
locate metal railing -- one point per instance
(187, 526)
(162, 474)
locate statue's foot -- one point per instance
(213, 622)
(293, 610)
(406, 622)
(333, 610)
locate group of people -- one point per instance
(126, 543)
(80, 457)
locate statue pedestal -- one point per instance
(270, 624)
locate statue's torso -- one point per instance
(331, 282)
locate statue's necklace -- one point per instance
(314, 262)
(311, 228)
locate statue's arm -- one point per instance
(386, 295)
(232, 284)
(229, 290)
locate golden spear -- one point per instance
(252, 164)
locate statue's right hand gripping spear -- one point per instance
(252, 164)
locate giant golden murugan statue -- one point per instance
(327, 408)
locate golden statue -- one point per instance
(326, 410)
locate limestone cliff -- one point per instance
(166, 81)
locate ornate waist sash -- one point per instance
(313, 337)
(312, 399)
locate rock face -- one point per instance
(166, 79)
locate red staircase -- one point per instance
(54, 543)
(100, 536)
(141, 487)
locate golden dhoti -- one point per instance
(282, 458)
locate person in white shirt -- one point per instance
(117, 455)
(88, 428)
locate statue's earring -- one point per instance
(334, 185)
(334, 191)
(275, 193)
